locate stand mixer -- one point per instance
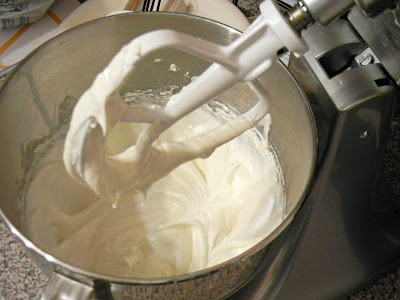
(344, 235)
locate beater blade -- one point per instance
(101, 107)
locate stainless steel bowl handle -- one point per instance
(61, 287)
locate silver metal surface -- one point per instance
(36, 102)
(61, 287)
(306, 12)
(283, 4)
(299, 17)
(326, 11)
(373, 8)
(345, 243)
(383, 35)
(366, 57)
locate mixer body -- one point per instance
(350, 234)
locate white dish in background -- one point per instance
(222, 11)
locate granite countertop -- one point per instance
(20, 278)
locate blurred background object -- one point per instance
(15, 13)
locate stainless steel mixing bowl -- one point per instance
(36, 101)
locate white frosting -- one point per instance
(174, 68)
(204, 212)
(192, 214)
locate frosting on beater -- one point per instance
(145, 161)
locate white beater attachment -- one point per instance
(101, 107)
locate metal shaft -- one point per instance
(307, 12)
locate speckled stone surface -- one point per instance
(20, 278)
(387, 288)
